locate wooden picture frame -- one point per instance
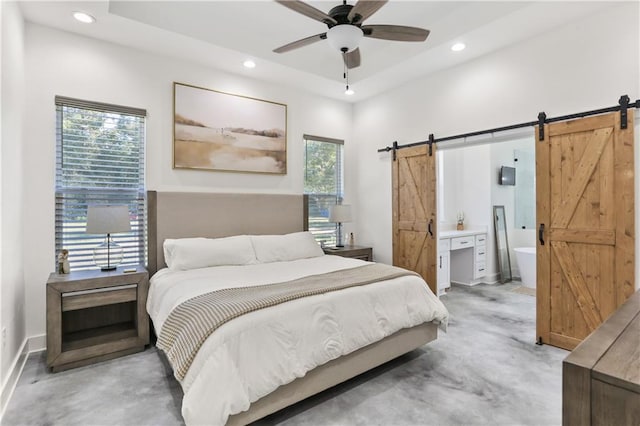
(220, 131)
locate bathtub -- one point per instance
(526, 259)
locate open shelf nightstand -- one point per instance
(94, 316)
(356, 252)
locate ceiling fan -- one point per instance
(346, 30)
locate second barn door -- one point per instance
(585, 216)
(415, 235)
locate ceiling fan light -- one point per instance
(349, 91)
(344, 36)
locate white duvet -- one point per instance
(251, 356)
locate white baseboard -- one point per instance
(29, 345)
(468, 284)
(13, 375)
(38, 343)
(492, 279)
(487, 279)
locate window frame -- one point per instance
(72, 195)
(319, 202)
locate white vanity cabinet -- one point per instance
(480, 256)
(462, 258)
(444, 282)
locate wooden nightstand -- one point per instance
(356, 252)
(94, 316)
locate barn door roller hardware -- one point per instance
(623, 106)
(541, 119)
(393, 148)
(430, 142)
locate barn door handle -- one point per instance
(541, 234)
(429, 227)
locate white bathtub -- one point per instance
(526, 258)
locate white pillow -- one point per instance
(279, 248)
(192, 253)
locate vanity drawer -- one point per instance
(462, 242)
(481, 240)
(443, 245)
(479, 270)
(481, 253)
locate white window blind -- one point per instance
(99, 160)
(323, 183)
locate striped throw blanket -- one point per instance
(193, 321)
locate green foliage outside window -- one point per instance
(323, 184)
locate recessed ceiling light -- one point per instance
(249, 64)
(349, 92)
(458, 47)
(84, 17)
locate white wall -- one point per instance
(467, 189)
(60, 63)
(12, 293)
(570, 69)
(504, 195)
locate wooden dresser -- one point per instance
(601, 377)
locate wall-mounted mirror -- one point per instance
(502, 244)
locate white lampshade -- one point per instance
(108, 219)
(340, 213)
(344, 36)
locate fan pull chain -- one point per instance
(345, 72)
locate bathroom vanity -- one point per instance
(462, 257)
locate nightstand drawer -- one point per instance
(99, 297)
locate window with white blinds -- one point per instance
(323, 173)
(99, 161)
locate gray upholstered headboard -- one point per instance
(195, 214)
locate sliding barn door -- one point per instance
(585, 215)
(414, 212)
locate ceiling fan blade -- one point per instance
(352, 59)
(395, 32)
(300, 43)
(363, 9)
(307, 10)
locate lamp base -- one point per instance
(108, 255)
(108, 268)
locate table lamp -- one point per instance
(108, 220)
(340, 213)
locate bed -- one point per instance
(225, 381)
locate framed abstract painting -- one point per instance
(224, 132)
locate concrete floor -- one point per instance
(485, 370)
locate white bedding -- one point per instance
(251, 356)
